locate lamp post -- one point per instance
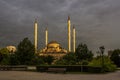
(119, 60)
(102, 52)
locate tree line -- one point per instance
(25, 55)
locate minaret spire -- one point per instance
(35, 35)
(68, 17)
(69, 34)
(74, 38)
(46, 36)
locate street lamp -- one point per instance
(119, 60)
(102, 52)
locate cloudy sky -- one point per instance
(97, 22)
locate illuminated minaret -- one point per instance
(69, 35)
(46, 36)
(35, 35)
(74, 39)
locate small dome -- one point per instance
(11, 48)
(53, 44)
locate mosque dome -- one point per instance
(53, 44)
(53, 47)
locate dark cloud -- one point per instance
(96, 21)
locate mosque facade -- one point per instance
(54, 48)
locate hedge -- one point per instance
(71, 68)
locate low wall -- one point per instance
(14, 68)
(71, 68)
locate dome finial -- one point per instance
(35, 20)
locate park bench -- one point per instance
(57, 70)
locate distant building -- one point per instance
(11, 49)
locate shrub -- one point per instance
(93, 69)
(69, 59)
(108, 65)
(69, 68)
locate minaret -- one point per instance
(74, 39)
(46, 36)
(35, 35)
(69, 35)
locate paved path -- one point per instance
(22, 75)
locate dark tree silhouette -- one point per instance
(83, 53)
(25, 52)
(115, 57)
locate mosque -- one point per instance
(54, 48)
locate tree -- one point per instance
(37, 60)
(68, 59)
(13, 59)
(4, 51)
(115, 57)
(25, 52)
(4, 56)
(1, 57)
(83, 53)
(49, 59)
